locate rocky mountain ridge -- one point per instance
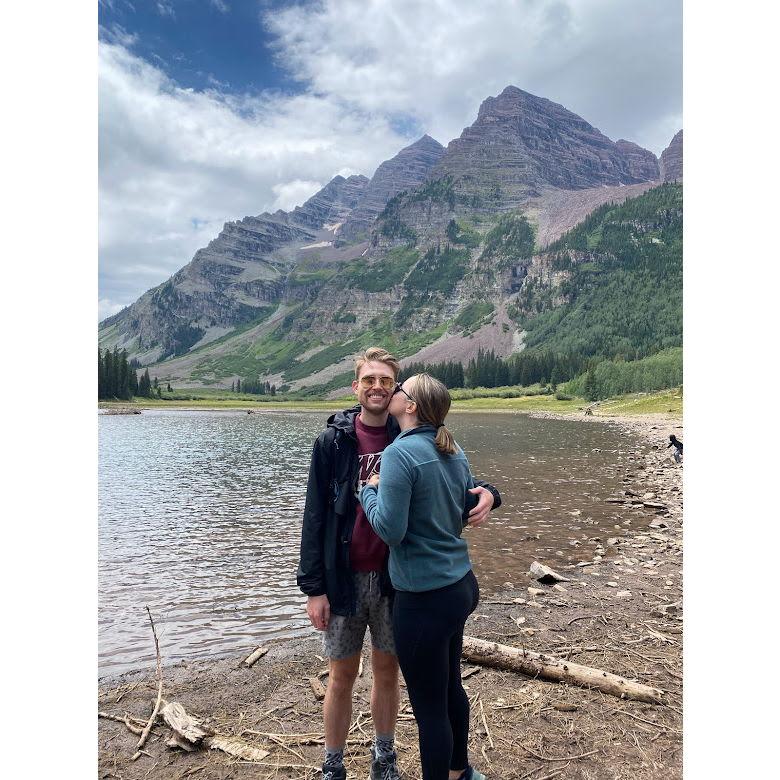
(671, 162)
(521, 144)
(408, 169)
(291, 296)
(233, 279)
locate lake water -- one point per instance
(200, 516)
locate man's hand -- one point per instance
(373, 480)
(479, 513)
(318, 610)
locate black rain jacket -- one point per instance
(331, 510)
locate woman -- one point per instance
(418, 512)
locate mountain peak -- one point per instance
(404, 171)
(521, 143)
(332, 203)
(426, 140)
(672, 159)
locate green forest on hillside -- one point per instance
(624, 292)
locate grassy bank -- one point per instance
(218, 403)
(663, 402)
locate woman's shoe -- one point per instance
(469, 773)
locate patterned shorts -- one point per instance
(344, 635)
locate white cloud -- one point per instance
(616, 63)
(293, 193)
(221, 6)
(175, 164)
(106, 308)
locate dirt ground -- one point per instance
(620, 611)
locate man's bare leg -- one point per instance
(337, 707)
(385, 693)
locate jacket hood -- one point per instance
(344, 421)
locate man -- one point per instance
(343, 566)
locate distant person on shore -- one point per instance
(344, 564)
(678, 445)
(417, 507)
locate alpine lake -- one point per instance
(200, 518)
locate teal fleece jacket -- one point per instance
(418, 511)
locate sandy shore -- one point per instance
(620, 611)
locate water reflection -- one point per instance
(200, 518)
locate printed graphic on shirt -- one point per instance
(368, 466)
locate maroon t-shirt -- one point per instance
(367, 552)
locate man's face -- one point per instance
(374, 386)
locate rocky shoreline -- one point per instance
(619, 611)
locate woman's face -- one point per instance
(400, 404)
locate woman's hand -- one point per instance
(373, 480)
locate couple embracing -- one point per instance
(388, 554)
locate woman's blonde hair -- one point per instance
(433, 402)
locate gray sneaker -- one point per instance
(384, 767)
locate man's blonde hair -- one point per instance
(381, 356)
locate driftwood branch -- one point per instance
(254, 656)
(191, 731)
(513, 659)
(156, 709)
(318, 688)
(132, 728)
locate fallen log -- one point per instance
(254, 656)
(188, 729)
(548, 667)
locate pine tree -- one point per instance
(238, 385)
(101, 377)
(145, 385)
(108, 374)
(458, 378)
(155, 383)
(116, 387)
(133, 381)
(124, 377)
(169, 388)
(589, 387)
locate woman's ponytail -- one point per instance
(433, 403)
(445, 443)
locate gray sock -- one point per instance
(384, 744)
(334, 756)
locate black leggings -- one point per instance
(428, 630)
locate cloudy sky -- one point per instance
(211, 110)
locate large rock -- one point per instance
(672, 159)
